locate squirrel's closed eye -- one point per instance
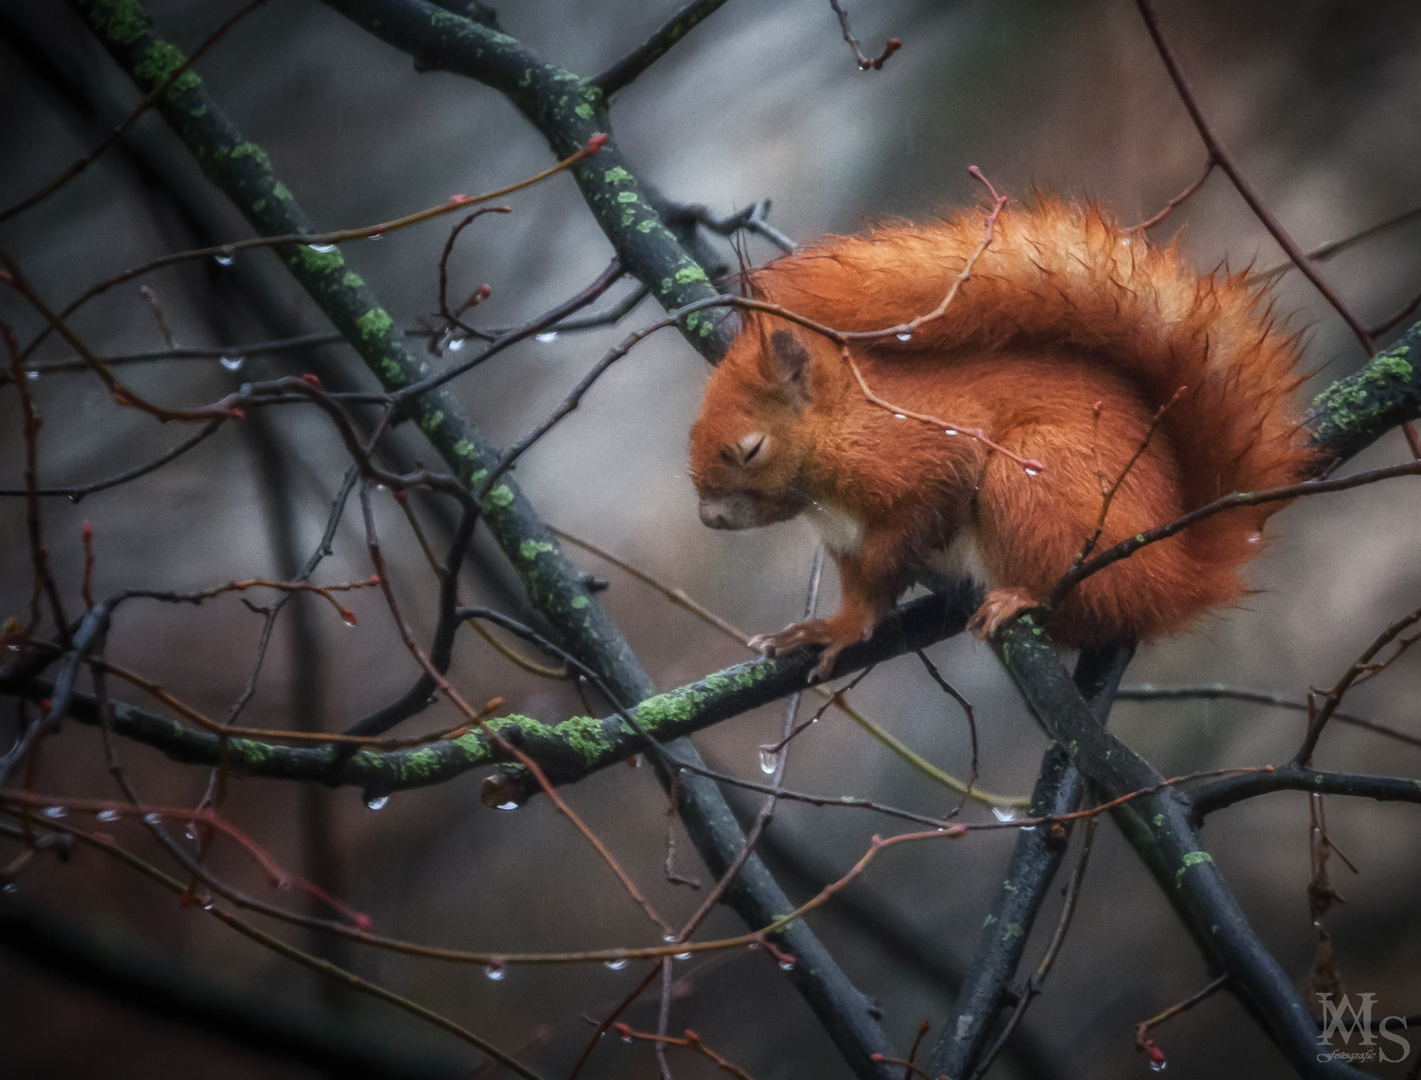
(750, 445)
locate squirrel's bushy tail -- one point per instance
(1065, 276)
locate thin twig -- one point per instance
(1226, 163)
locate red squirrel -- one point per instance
(1060, 348)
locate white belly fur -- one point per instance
(961, 559)
(839, 531)
(842, 533)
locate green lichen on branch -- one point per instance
(244, 172)
(1353, 412)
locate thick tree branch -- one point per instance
(1354, 412)
(1227, 790)
(1034, 862)
(568, 110)
(1159, 826)
(564, 107)
(567, 751)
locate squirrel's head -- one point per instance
(750, 442)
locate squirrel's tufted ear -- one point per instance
(788, 363)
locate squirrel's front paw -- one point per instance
(999, 607)
(810, 632)
(834, 636)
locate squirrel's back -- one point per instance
(1063, 278)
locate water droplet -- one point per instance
(668, 938)
(233, 363)
(191, 832)
(1253, 538)
(1004, 813)
(1158, 1066)
(376, 236)
(899, 416)
(32, 374)
(627, 1039)
(1032, 472)
(769, 761)
(152, 819)
(495, 971)
(455, 344)
(950, 431)
(11, 889)
(322, 249)
(905, 336)
(615, 965)
(547, 337)
(108, 815)
(55, 812)
(1028, 828)
(787, 963)
(683, 956)
(207, 906)
(376, 802)
(224, 258)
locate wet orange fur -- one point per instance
(1064, 309)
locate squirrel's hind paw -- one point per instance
(999, 608)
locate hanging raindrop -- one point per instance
(55, 812)
(615, 965)
(322, 249)
(547, 337)
(376, 802)
(224, 258)
(152, 819)
(769, 761)
(511, 804)
(495, 971)
(233, 363)
(1004, 813)
(905, 336)
(108, 815)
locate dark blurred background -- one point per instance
(1318, 101)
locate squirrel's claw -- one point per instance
(999, 608)
(834, 638)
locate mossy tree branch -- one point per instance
(565, 108)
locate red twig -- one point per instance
(690, 1041)
(865, 63)
(1149, 223)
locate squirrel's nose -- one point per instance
(727, 512)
